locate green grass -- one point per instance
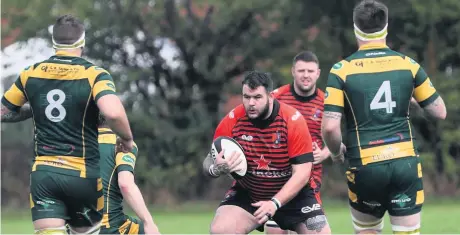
(438, 216)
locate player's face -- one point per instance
(256, 102)
(305, 75)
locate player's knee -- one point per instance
(52, 231)
(406, 224)
(217, 228)
(412, 230)
(373, 227)
(318, 225)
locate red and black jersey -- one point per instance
(311, 107)
(271, 146)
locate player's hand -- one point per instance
(229, 164)
(267, 209)
(318, 154)
(151, 228)
(124, 146)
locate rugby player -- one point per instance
(66, 93)
(278, 150)
(373, 88)
(117, 173)
(303, 95)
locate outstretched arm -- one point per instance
(11, 116)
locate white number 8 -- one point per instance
(55, 104)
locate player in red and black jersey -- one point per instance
(278, 150)
(303, 95)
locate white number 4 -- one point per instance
(388, 104)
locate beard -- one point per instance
(263, 113)
(305, 89)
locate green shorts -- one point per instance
(395, 186)
(129, 225)
(77, 200)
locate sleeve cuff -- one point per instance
(125, 167)
(429, 100)
(333, 108)
(9, 105)
(304, 158)
(103, 93)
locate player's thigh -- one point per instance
(406, 189)
(85, 202)
(271, 227)
(235, 214)
(303, 214)
(409, 224)
(365, 222)
(46, 200)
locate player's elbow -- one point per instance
(126, 181)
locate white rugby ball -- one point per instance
(230, 145)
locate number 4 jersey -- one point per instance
(373, 88)
(62, 92)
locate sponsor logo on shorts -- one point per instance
(372, 204)
(401, 200)
(45, 204)
(308, 209)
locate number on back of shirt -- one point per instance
(54, 111)
(384, 92)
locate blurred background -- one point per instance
(178, 64)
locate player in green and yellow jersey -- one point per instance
(66, 93)
(117, 172)
(373, 89)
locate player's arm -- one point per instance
(125, 163)
(111, 107)
(332, 117)
(210, 168)
(427, 97)
(301, 159)
(14, 107)
(24, 113)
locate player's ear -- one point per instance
(319, 72)
(292, 70)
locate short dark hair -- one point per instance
(306, 56)
(255, 79)
(67, 29)
(370, 16)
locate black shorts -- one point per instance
(302, 207)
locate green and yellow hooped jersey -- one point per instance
(373, 88)
(62, 92)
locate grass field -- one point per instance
(438, 216)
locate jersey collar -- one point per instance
(303, 98)
(373, 45)
(64, 53)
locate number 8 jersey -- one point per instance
(373, 88)
(62, 92)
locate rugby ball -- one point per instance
(230, 145)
